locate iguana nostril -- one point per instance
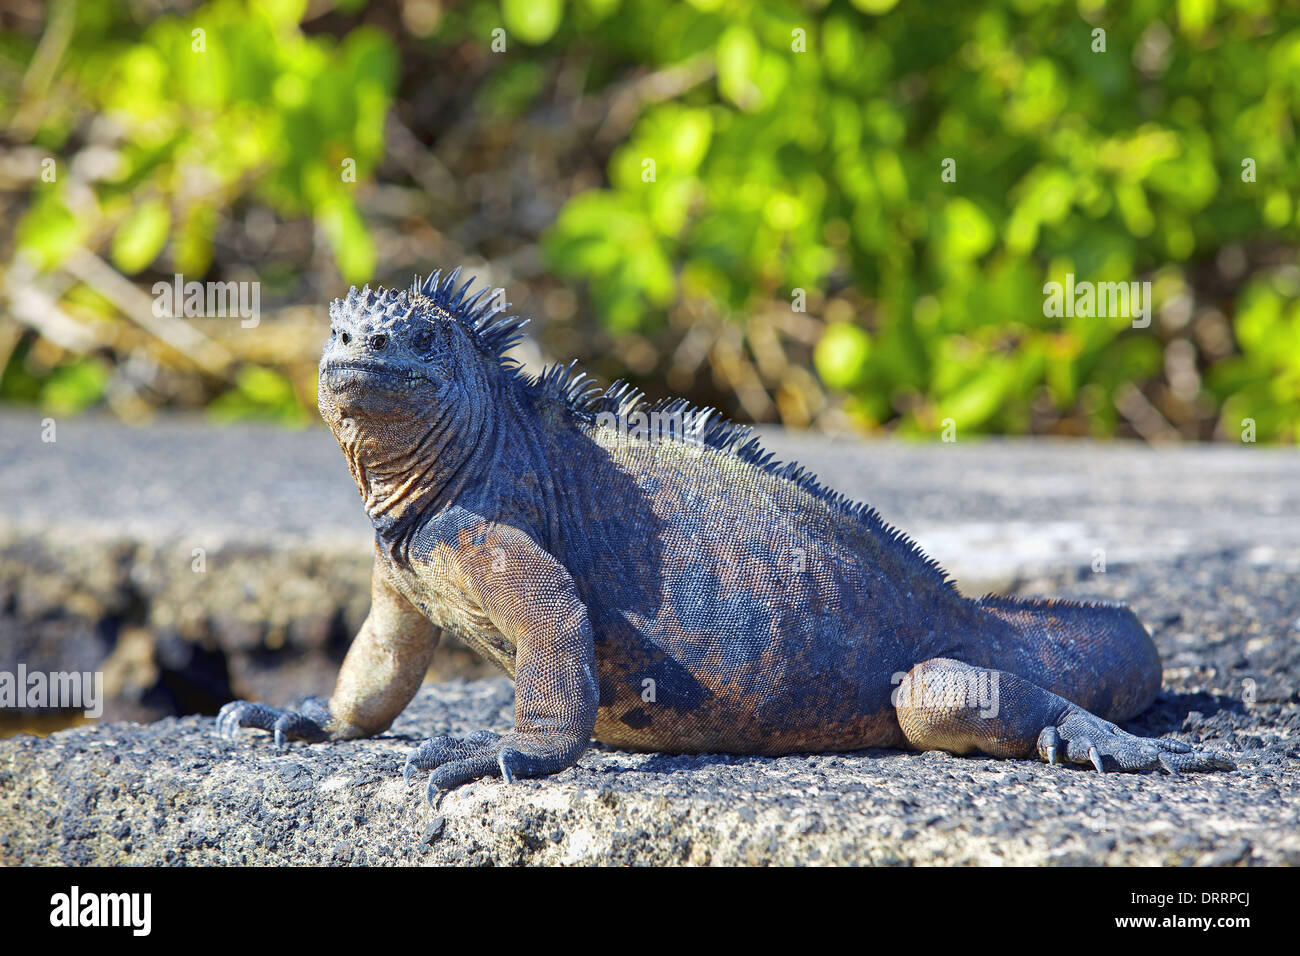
(377, 342)
(345, 337)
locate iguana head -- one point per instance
(407, 381)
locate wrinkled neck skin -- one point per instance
(411, 465)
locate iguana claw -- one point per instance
(443, 749)
(452, 761)
(1095, 756)
(1090, 740)
(504, 759)
(306, 723)
(1049, 740)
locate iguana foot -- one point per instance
(307, 722)
(456, 760)
(1084, 738)
(944, 704)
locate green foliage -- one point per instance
(842, 355)
(761, 149)
(226, 102)
(50, 231)
(1262, 381)
(533, 21)
(141, 237)
(811, 169)
(259, 393)
(206, 102)
(74, 387)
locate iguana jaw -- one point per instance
(351, 381)
(397, 427)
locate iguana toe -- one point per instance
(451, 775)
(1172, 762)
(1089, 740)
(305, 723)
(452, 761)
(443, 749)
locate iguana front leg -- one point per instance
(945, 704)
(531, 600)
(381, 673)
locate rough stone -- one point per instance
(171, 792)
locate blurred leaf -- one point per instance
(74, 387)
(141, 237)
(842, 354)
(48, 231)
(259, 393)
(966, 232)
(533, 21)
(737, 65)
(348, 236)
(971, 405)
(875, 6)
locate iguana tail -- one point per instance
(1097, 655)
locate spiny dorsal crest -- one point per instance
(493, 332)
(376, 310)
(486, 321)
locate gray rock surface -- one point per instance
(97, 533)
(171, 792)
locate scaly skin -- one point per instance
(649, 577)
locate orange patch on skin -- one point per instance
(707, 730)
(727, 719)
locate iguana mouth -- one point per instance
(336, 374)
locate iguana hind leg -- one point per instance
(1099, 656)
(944, 704)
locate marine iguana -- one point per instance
(651, 577)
